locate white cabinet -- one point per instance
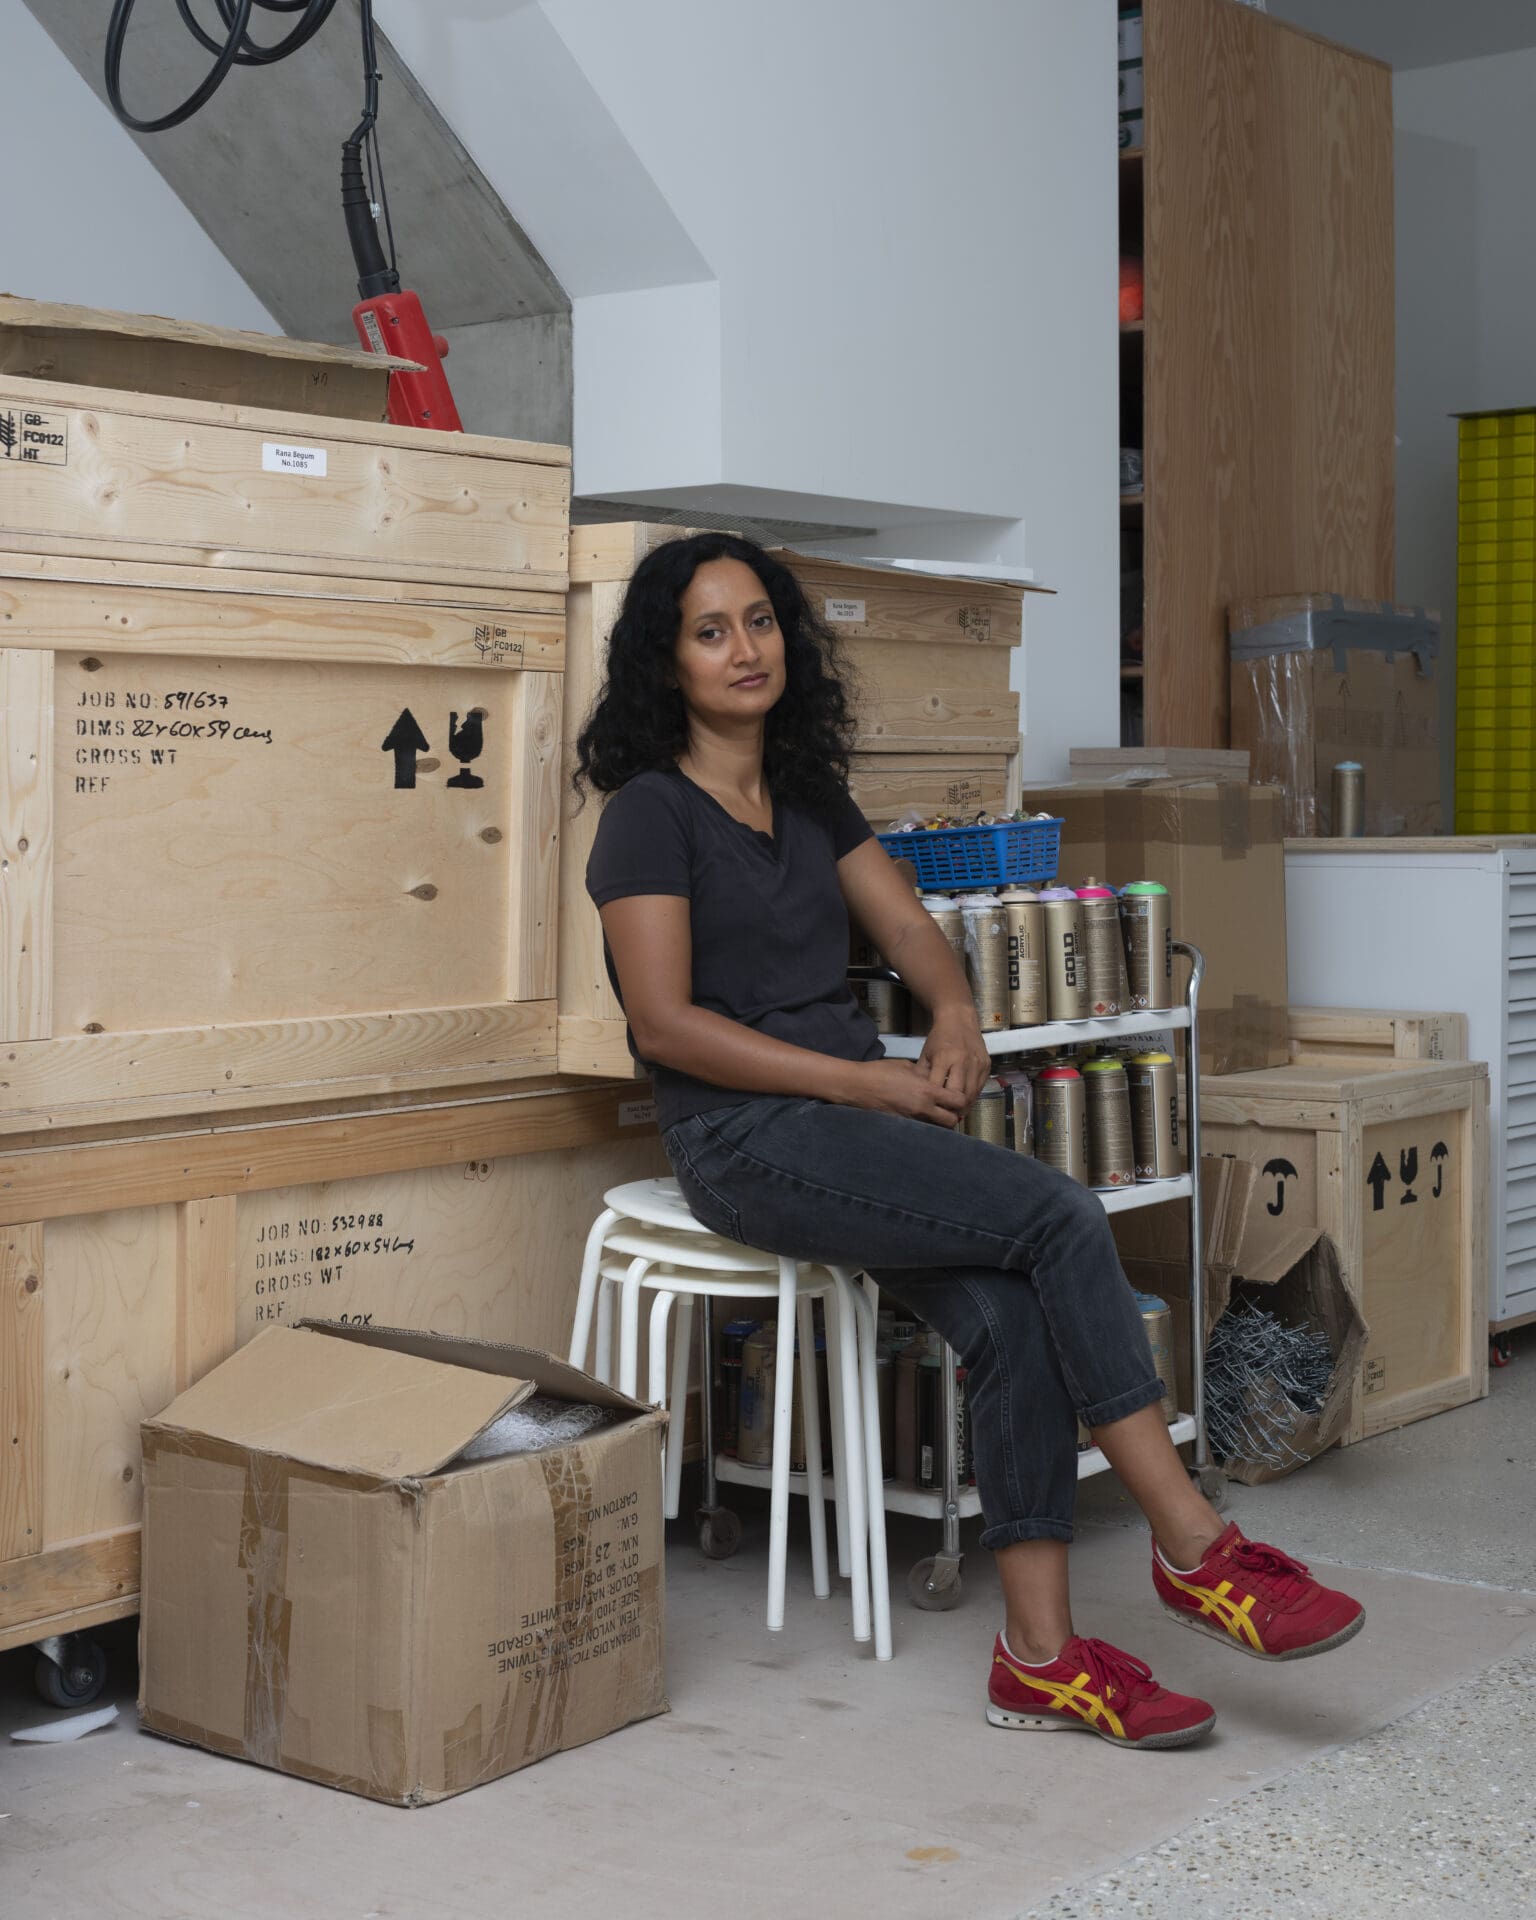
(1442, 925)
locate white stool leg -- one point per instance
(629, 1327)
(835, 1411)
(783, 1404)
(602, 1360)
(853, 1450)
(879, 1577)
(810, 1408)
(677, 1401)
(656, 1368)
(587, 1291)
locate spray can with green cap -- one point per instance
(1146, 918)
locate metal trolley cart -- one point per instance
(934, 1583)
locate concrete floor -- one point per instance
(794, 1775)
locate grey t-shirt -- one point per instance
(770, 930)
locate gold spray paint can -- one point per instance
(1066, 956)
(1154, 1088)
(1146, 915)
(949, 920)
(1111, 1163)
(988, 1117)
(1061, 1122)
(1026, 956)
(986, 957)
(1158, 1321)
(1108, 991)
(1021, 1112)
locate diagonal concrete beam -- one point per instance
(259, 169)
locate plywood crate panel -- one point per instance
(938, 724)
(1344, 1036)
(267, 838)
(130, 1267)
(1392, 1164)
(150, 477)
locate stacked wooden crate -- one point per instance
(938, 723)
(279, 812)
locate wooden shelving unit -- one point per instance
(1259, 384)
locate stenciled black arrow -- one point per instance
(1377, 1180)
(405, 740)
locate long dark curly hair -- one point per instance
(638, 720)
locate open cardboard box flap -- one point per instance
(393, 1406)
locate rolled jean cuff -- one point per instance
(1106, 1412)
(1008, 1533)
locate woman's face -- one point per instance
(729, 657)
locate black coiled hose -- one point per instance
(237, 49)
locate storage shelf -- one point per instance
(1132, 670)
(1057, 1033)
(923, 1503)
(1133, 326)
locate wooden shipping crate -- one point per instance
(938, 724)
(1340, 1037)
(148, 477)
(240, 866)
(1391, 1163)
(131, 1266)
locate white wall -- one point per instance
(1466, 299)
(87, 217)
(850, 262)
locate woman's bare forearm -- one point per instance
(725, 1053)
(928, 967)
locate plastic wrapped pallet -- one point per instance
(1316, 679)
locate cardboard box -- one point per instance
(328, 1594)
(1218, 850)
(146, 353)
(1317, 679)
(1296, 1274)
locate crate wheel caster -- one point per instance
(934, 1585)
(70, 1671)
(719, 1532)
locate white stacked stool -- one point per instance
(646, 1240)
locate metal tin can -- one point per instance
(885, 1001)
(733, 1338)
(930, 1422)
(1146, 915)
(986, 957)
(1154, 1087)
(1108, 990)
(1348, 800)
(1061, 1121)
(1066, 956)
(1026, 956)
(1111, 1163)
(949, 921)
(759, 1371)
(988, 1117)
(1021, 1111)
(1158, 1321)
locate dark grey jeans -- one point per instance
(1011, 1261)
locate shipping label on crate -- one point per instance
(260, 840)
(35, 438)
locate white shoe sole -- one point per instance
(1050, 1723)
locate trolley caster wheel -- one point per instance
(1212, 1482)
(719, 1532)
(77, 1681)
(1500, 1352)
(934, 1585)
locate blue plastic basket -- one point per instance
(1017, 851)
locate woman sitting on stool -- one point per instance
(727, 862)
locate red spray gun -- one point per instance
(388, 318)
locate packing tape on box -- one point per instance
(263, 1557)
(1345, 625)
(1222, 821)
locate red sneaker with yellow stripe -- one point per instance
(1257, 1599)
(1094, 1686)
